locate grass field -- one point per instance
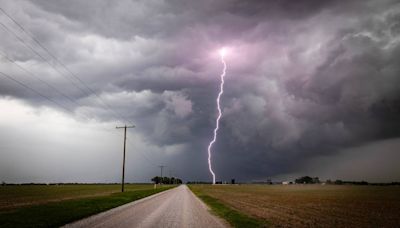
(16, 196)
(51, 206)
(310, 205)
(234, 217)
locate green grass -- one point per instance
(234, 217)
(55, 214)
(15, 196)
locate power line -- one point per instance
(60, 105)
(57, 103)
(37, 78)
(43, 58)
(64, 66)
(29, 73)
(65, 108)
(142, 154)
(33, 90)
(116, 114)
(44, 96)
(52, 66)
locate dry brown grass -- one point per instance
(313, 205)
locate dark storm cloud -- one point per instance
(333, 107)
(305, 78)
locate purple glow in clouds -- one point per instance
(222, 53)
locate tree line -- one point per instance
(315, 180)
(166, 180)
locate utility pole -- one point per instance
(170, 177)
(161, 167)
(123, 160)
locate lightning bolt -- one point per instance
(221, 91)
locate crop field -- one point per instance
(15, 196)
(55, 205)
(311, 205)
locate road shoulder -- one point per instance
(109, 213)
(231, 216)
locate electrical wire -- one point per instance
(54, 68)
(120, 116)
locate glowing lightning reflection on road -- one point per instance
(222, 53)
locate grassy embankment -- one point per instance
(310, 205)
(234, 217)
(51, 206)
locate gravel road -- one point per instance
(177, 207)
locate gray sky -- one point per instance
(312, 88)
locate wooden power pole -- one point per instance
(123, 160)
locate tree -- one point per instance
(165, 180)
(339, 182)
(307, 180)
(156, 179)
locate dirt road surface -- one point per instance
(177, 207)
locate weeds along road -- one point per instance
(177, 207)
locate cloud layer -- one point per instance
(304, 80)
